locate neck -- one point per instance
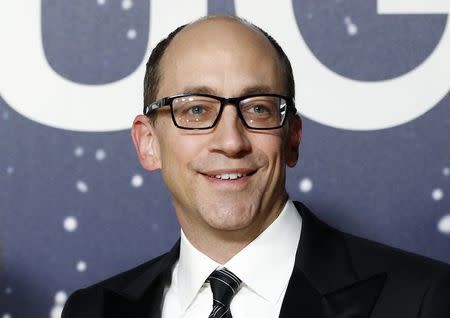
(221, 245)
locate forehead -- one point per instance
(223, 55)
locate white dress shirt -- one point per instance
(264, 266)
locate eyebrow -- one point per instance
(257, 89)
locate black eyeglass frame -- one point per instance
(235, 101)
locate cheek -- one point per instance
(271, 147)
(178, 150)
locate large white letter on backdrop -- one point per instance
(31, 87)
(337, 101)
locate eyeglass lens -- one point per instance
(195, 111)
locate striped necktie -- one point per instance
(224, 284)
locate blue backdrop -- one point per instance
(76, 207)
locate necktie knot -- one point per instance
(224, 285)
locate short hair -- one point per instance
(153, 72)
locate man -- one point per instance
(221, 124)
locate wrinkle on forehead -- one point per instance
(250, 90)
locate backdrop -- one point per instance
(373, 81)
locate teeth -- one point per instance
(229, 176)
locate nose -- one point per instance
(230, 137)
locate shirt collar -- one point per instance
(274, 248)
(194, 268)
(271, 256)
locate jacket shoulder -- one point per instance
(410, 277)
(88, 302)
(370, 256)
(414, 286)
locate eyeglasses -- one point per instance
(202, 111)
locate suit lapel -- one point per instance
(301, 298)
(324, 282)
(141, 296)
(357, 300)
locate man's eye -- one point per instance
(196, 110)
(259, 109)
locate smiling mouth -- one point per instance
(229, 175)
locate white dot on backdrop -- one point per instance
(60, 297)
(78, 151)
(437, 194)
(446, 171)
(82, 186)
(70, 224)
(100, 154)
(6, 315)
(131, 34)
(127, 4)
(352, 29)
(101, 2)
(10, 170)
(137, 181)
(81, 266)
(8, 290)
(305, 185)
(444, 224)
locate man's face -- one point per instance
(223, 58)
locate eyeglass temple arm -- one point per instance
(155, 105)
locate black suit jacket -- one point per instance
(335, 275)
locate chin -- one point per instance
(230, 218)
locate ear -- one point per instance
(293, 142)
(146, 143)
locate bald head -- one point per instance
(215, 29)
(225, 38)
(220, 23)
(220, 56)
